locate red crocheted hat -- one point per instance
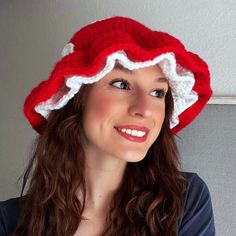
(92, 53)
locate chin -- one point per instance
(133, 158)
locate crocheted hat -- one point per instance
(92, 53)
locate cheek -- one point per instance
(100, 107)
(160, 116)
(104, 108)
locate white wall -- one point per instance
(33, 33)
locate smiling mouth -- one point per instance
(132, 135)
(132, 132)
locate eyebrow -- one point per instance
(118, 66)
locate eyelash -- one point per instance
(162, 91)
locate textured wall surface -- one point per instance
(208, 148)
(33, 33)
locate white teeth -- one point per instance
(133, 132)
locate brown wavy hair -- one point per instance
(149, 200)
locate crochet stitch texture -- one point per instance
(92, 52)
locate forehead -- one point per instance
(159, 78)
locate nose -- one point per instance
(140, 106)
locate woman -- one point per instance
(105, 161)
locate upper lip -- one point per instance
(136, 127)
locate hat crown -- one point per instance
(91, 53)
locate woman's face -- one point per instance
(132, 100)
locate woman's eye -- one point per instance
(160, 93)
(124, 84)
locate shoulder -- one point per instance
(196, 186)
(197, 218)
(9, 215)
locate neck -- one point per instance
(103, 177)
(101, 185)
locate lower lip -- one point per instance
(132, 138)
